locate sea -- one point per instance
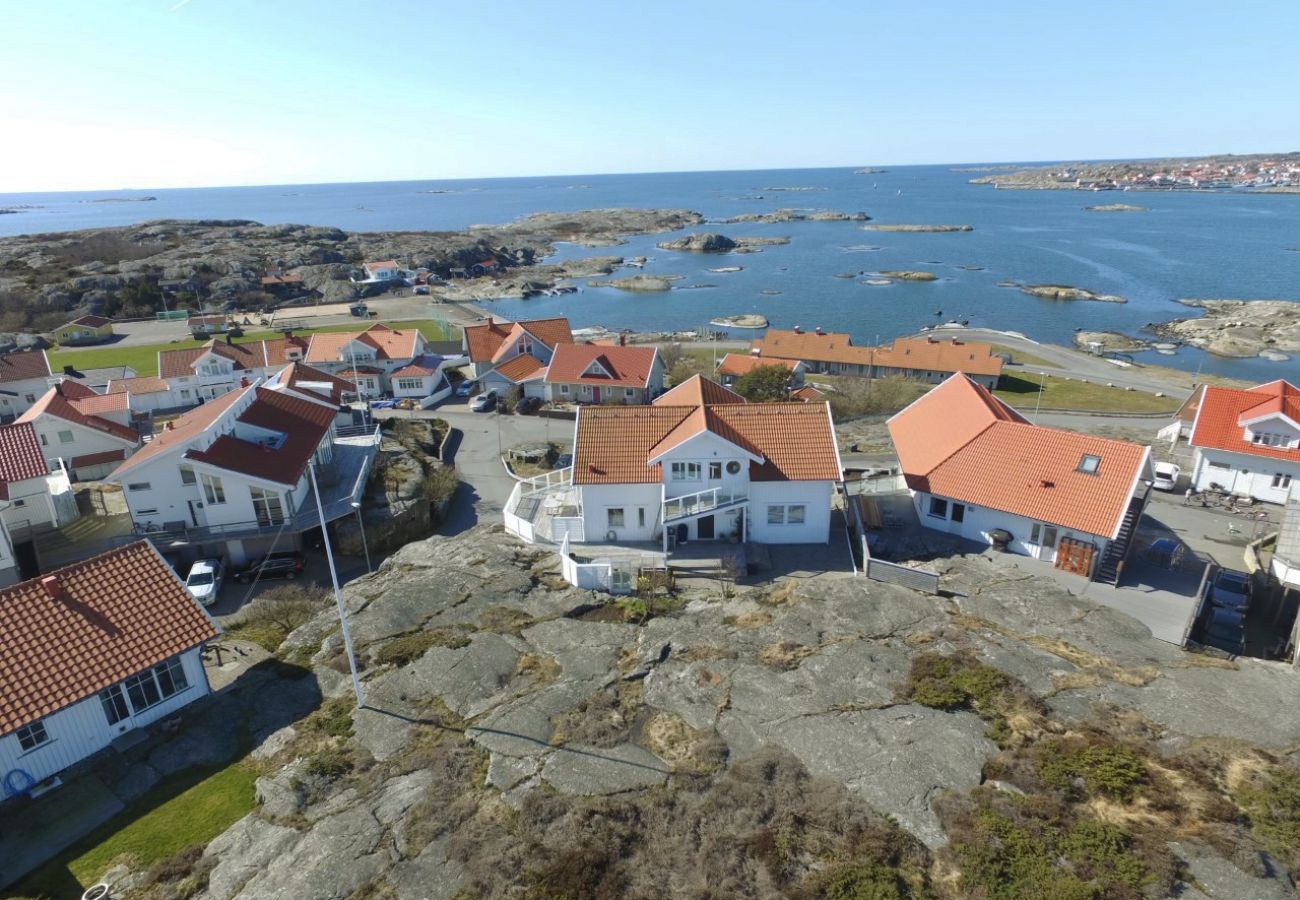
(1186, 245)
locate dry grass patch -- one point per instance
(784, 593)
(785, 654)
(686, 749)
(539, 666)
(748, 620)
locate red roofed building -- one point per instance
(698, 464)
(236, 469)
(24, 376)
(1248, 442)
(91, 433)
(734, 365)
(494, 344)
(592, 373)
(367, 357)
(34, 497)
(924, 359)
(91, 651)
(975, 465)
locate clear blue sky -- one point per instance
(166, 93)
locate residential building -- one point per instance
(698, 464)
(974, 465)
(1184, 418)
(367, 357)
(198, 374)
(925, 359)
(734, 365)
(96, 378)
(232, 478)
(492, 343)
(91, 433)
(1248, 442)
(24, 376)
(90, 652)
(301, 380)
(84, 330)
(525, 372)
(423, 378)
(35, 496)
(593, 373)
(203, 326)
(147, 393)
(381, 271)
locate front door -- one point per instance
(1042, 541)
(595, 395)
(704, 528)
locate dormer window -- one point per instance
(1270, 439)
(1089, 464)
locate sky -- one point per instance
(180, 93)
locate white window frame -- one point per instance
(616, 517)
(1281, 480)
(686, 471)
(188, 476)
(66, 436)
(715, 467)
(140, 486)
(938, 508)
(213, 490)
(796, 514)
(32, 736)
(776, 514)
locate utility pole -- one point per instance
(1039, 401)
(338, 593)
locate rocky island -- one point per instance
(1239, 328)
(908, 275)
(919, 229)
(709, 242)
(1115, 207)
(639, 283)
(747, 320)
(1109, 340)
(1065, 292)
(798, 215)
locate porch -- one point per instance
(546, 508)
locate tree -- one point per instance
(763, 384)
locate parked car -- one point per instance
(483, 402)
(1231, 590)
(1229, 638)
(286, 564)
(563, 461)
(204, 580)
(463, 389)
(1166, 478)
(1222, 615)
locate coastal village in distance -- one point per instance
(1277, 173)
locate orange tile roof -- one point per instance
(829, 346)
(382, 264)
(808, 394)
(697, 391)
(276, 350)
(920, 354)
(485, 340)
(90, 322)
(114, 615)
(1224, 412)
(962, 443)
(302, 423)
(522, 368)
(66, 401)
(388, 343)
(795, 441)
(20, 457)
(302, 377)
(23, 365)
(143, 384)
(627, 366)
(178, 363)
(183, 429)
(95, 404)
(743, 363)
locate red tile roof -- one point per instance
(388, 343)
(808, 394)
(20, 457)
(305, 379)
(962, 443)
(144, 384)
(276, 350)
(919, 354)
(302, 423)
(114, 615)
(618, 366)
(698, 391)
(743, 363)
(382, 264)
(178, 363)
(70, 402)
(483, 341)
(1224, 413)
(794, 441)
(23, 365)
(182, 430)
(95, 459)
(90, 322)
(522, 368)
(828, 346)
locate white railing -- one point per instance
(595, 576)
(351, 431)
(568, 527)
(702, 502)
(545, 481)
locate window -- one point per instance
(776, 515)
(31, 398)
(715, 471)
(146, 512)
(1269, 439)
(938, 508)
(1219, 465)
(1281, 480)
(795, 514)
(629, 392)
(32, 736)
(410, 384)
(615, 516)
(139, 486)
(959, 512)
(114, 703)
(44, 441)
(267, 506)
(66, 436)
(640, 516)
(564, 389)
(620, 580)
(212, 489)
(187, 475)
(20, 503)
(153, 686)
(686, 471)
(1089, 464)
(185, 393)
(1043, 535)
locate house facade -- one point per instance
(34, 494)
(91, 433)
(24, 377)
(494, 343)
(367, 357)
(91, 652)
(925, 359)
(597, 373)
(424, 378)
(736, 365)
(699, 464)
(84, 330)
(974, 466)
(233, 477)
(383, 270)
(1248, 442)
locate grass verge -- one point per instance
(1061, 393)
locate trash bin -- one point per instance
(1000, 539)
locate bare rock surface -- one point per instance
(1240, 328)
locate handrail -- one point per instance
(701, 502)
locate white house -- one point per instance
(233, 475)
(1248, 442)
(147, 393)
(493, 343)
(90, 652)
(381, 271)
(91, 433)
(34, 495)
(699, 464)
(24, 376)
(198, 374)
(302, 381)
(974, 465)
(367, 357)
(598, 373)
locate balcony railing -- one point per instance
(688, 505)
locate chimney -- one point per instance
(230, 340)
(819, 329)
(798, 330)
(53, 589)
(243, 382)
(70, 372)
(622, 340)
(171, 424)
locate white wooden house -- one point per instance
(90, 652)
(24, 376)
(493, 344)
(1248, 442)
(35, 495)
(91, 433)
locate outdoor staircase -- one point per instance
(1108, 570)
(712, 500)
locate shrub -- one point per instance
(854, 397)
(763, 384)
(867, 880)
(1103, 766)
(440, 484)
(953, 682)
(333, 719)
(275, 613)
(1271, 801)
(410, 647)
(329, 763)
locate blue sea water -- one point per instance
(1212, 245)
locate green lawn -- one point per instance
(1060, 393)
(144, 358)
(182, 810)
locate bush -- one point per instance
(867, 880)
(275, 613)
(440, 484)
(410, 647)
(763, 384)
(333, 719)
(952, 682)
(1103, 766)
(1271, 801)
(329, 763)
(854, 397)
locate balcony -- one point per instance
(546, 508)
(703, 502)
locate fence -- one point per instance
(881, 570)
